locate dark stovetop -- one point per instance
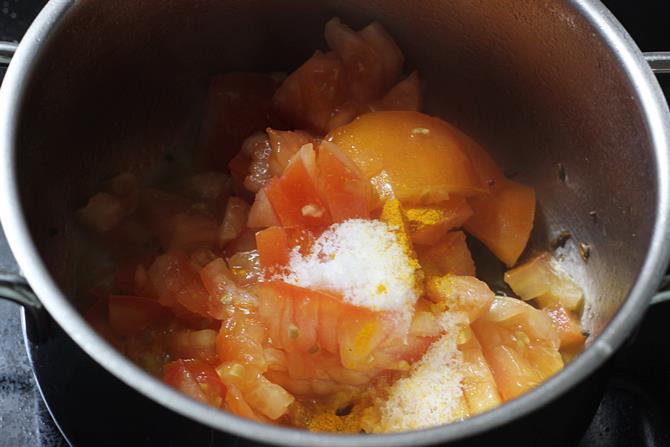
(634, 412)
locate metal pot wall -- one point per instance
(97, 88)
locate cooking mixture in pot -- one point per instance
(321, 277)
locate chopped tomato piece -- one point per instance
(177, 281)
(421, 159)
(199, 345)
(189, 231)
(276, 243)
(295, 196)
(363, 66)
(261, 214)
(520, 345)
(344, 188)
(128, 315)
(303, 319)
(245, 241)
(285, 144)
(237, 105)
(102, 212)
(241, 339)
(566, 325)
(405, 95)
(428, 224)
(387, 50)
(479, 386)
(234, 220)
(196, 379)
(542, 279)
(503, 219)
(273, 246)
(460, 294)
(308, 96)
(237, 405)
(450, 255)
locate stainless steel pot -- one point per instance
(97, 87)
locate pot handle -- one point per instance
(659, 61)
(13, 286)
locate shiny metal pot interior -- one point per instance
(99, 87)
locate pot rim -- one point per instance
(657, 123)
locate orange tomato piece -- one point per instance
(129, 315)
(275, 244)
(428, 224)
(503, 219)
(307, 97)
(273, 247)
(343, 187)
(295, 195)
(449, 255)
(196, 379)
(421, 159)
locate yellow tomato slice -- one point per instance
(420, 158)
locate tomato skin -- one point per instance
(343, 187)
(196, 379)
(129, 315)
(295, 196)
